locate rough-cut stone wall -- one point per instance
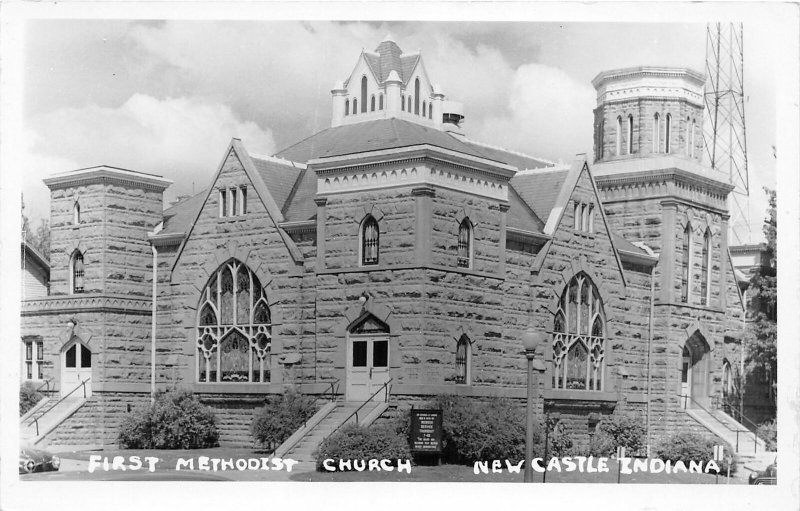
(254, 240)
(643, 111)
(115, 220)
(97, 422)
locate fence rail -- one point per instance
(36, 418)
(695, 404)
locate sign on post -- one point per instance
(719, 452)
(620, 455)
(425, 434)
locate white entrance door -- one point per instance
(76, 366)
(367, 366)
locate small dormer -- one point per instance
(388, 83)
(648, 111)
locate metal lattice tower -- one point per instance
(724, 126)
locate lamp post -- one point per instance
(530, 340)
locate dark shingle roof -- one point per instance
(540, 190)
(389, 57)
(379, 135)
(179, 217)
(520, 215)
(519, 160)
(279, 177)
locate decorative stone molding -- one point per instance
(68, 334)
(697, 327)
(357, 311)
(105, 174)
(86, 303)
(443, 175)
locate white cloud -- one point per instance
(180, 138)
(547, 114)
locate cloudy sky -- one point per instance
(167, 96)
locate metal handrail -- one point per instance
(36, 418)
(334, 390)
(739, 416)
(737, 430)
(386, 400)
(47, 384)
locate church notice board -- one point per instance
(425, 435)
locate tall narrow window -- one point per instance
(465, 244)
(34, 360)
(416, 96)
(363, 94)
(463, 361)
(619, 136)
(76, 213)
(346, 107)
(380, 102)
(424, 109)
(576, 216)
(409, 104)
(704, 265)
(430, 111)
(372, 104)
(688, 136)
(223, 203)
(243, 200)
(694, 129)
(585, 218)
(667, 133)
(233, 194)
(579, 337)
(656, 133)
(630, 134)
(686, 263)
(355, 106)
(234, 327)
(370, 238)
(591, 218)
(403, 102)
(77, 272)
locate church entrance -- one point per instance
(76, 367)
(694, 372)
(367, 358)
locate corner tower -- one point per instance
(645, 111)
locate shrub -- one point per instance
(618, 430)
(354, 442)
(475, 431)
(768, 432)
(175, 421)
(687, 447)
(28, 397)
(280, 417)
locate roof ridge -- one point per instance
(543, 170)
(278, 159)
(301, 141)
(518, 153)
(293, 191)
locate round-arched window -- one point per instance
(579, 337)
(234, 327)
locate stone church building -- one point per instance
(391, 247)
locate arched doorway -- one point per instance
(694, 372)
(367, 357)
(76, 367)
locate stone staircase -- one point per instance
(45, 417)
(748, 447)
(302, 444)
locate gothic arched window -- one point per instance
(403, 102)
(656, 133)
(424, 109)
(667, 133)
(380, 102)
(370, 238)
(416, 96)
(619, 136)
(76, 213)
(579, 337)
(346, 107)
(234, 327)
(630, 134)
(372, 104)
(686, 262)
(465, 244)
(463, 362)
(705, 263)
(77, 272)
(363, 94)
(355, 106)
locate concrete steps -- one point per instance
(301, 445)
(747, 446)
(34, 427)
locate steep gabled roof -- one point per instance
(539, 189)
(179, 217)
(388, 57)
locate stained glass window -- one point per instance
(369, 241)
(464, 244)
(579, 337)
(234, 330)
